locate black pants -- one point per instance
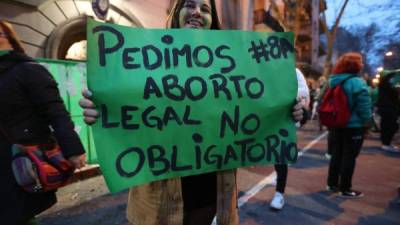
(346, 144)
(330, 143)
(389, 125)
(200, 216)
(199, 198)
(281, 173)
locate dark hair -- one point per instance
(11, 36)
(351, 62)
(272, 22)
(173, 18)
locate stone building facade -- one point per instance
(48, 28)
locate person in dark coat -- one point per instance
(389, 108)
(31, 112)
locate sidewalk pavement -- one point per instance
(377, 174)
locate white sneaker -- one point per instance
(278, 201)
(390, 148)
(328, 156)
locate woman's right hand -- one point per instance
(89, 112)
(78, 161)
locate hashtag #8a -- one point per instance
(274, 47)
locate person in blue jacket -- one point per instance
(346, 142)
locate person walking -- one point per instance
(30, 103)
(346, 142)
(389, 108)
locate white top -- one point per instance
(302, 88)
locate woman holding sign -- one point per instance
(191, 200)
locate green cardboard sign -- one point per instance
(179, 102)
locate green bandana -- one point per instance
(3, 52)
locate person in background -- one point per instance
(346, 142)
(398, 194)
(316, 96)
(323, 86)
(389, 108)
(278, 201)
(313, 97)
(30, 102)
(191, 200)
(373, 92)
(264, 21)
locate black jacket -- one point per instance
(388, 97)
(29, 103)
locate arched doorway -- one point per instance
(64, 36)
(68, 40)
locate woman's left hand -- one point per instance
(297, 112)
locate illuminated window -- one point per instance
(77, 51)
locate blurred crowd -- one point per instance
(384, 92)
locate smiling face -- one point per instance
(195, 14)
